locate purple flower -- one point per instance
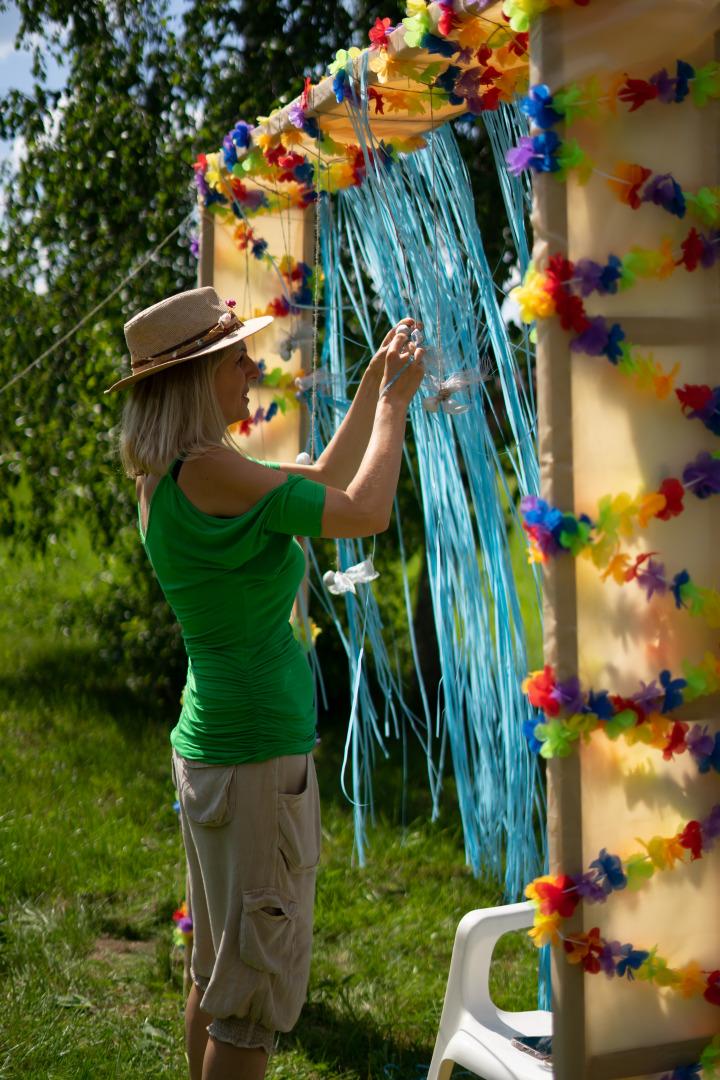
(594, 340)
(195, 247)
(201, 184)
(588, 889)
(465, 57)
(702, 476)
(649, 696)
(185, 925)
(533, 509)
(609, 956)
(468, 84)
(710, 412)
(667, 193)
(666, 85)
(296, 116)
(588, 276)
(700, 746)
(652, 578)
(713, 761)
(520, 157)
(711, 249)
(569, 695)
(710, 827)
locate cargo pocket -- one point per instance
(206, 792)
(299, 820)
(267, 930)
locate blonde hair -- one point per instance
(172, 414)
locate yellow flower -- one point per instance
(693, 982)
(385, 66)
(545, 929)
(616, 568)
(415, 7)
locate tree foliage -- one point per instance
(104, 175)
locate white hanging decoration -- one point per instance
(299, 333)
(339, 582)
(320, 381)
(303, 459)
(454, 383)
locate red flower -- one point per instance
(637, 92)
(272, 154)
(674, 492)
(489, 75)
(238, 189)
(676, 742)
(447, 22)
(539, 691)
(693, 397)
(571, 311)
(491, 100)
(304, 95)
(374, 95)
(201, 163)
(691, 838)
(560, 269)
(379, 32)
(278, 308)
(559, 896)
(484, 53)
(693, 249)
(712, 994)
(520, 44)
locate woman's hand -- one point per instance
(377, 364)
(404, 369)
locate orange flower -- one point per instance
(650, 506)
(627, 182)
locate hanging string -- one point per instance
(98, 307)
(435, 235)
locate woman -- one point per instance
(219, 531)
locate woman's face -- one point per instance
(232, 382)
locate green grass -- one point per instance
(91, 871)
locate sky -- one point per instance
(16, 65)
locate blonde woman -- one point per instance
(219, 531)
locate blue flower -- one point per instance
(678, 581)
(601, 705)
(538, 106)
(545, 146)
(612, 350)
(610, 874)
(528, 730)
(685, 72)
(610, 275)
(630, 960)
(673, 691)
(442, 46)
(339, 85)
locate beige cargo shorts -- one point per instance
(252, 840)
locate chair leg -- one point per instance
(440, 1067)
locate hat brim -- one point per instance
(252, 326)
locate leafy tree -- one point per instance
(104, 176)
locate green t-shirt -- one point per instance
(231, 583)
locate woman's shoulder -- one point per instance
(223, 483)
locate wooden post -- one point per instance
(559, 586)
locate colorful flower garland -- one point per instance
(578, 101)
(557, 897)
(183, 929)
(561, 289)
(552, 532)
(521, 13)
(642, 717)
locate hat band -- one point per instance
(226, 324)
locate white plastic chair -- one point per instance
(473, 1032)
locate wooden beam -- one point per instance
(623, 1064)
(207, 250)
(554, 395)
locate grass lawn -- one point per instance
(91, 870)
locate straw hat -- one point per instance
(185, 326)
